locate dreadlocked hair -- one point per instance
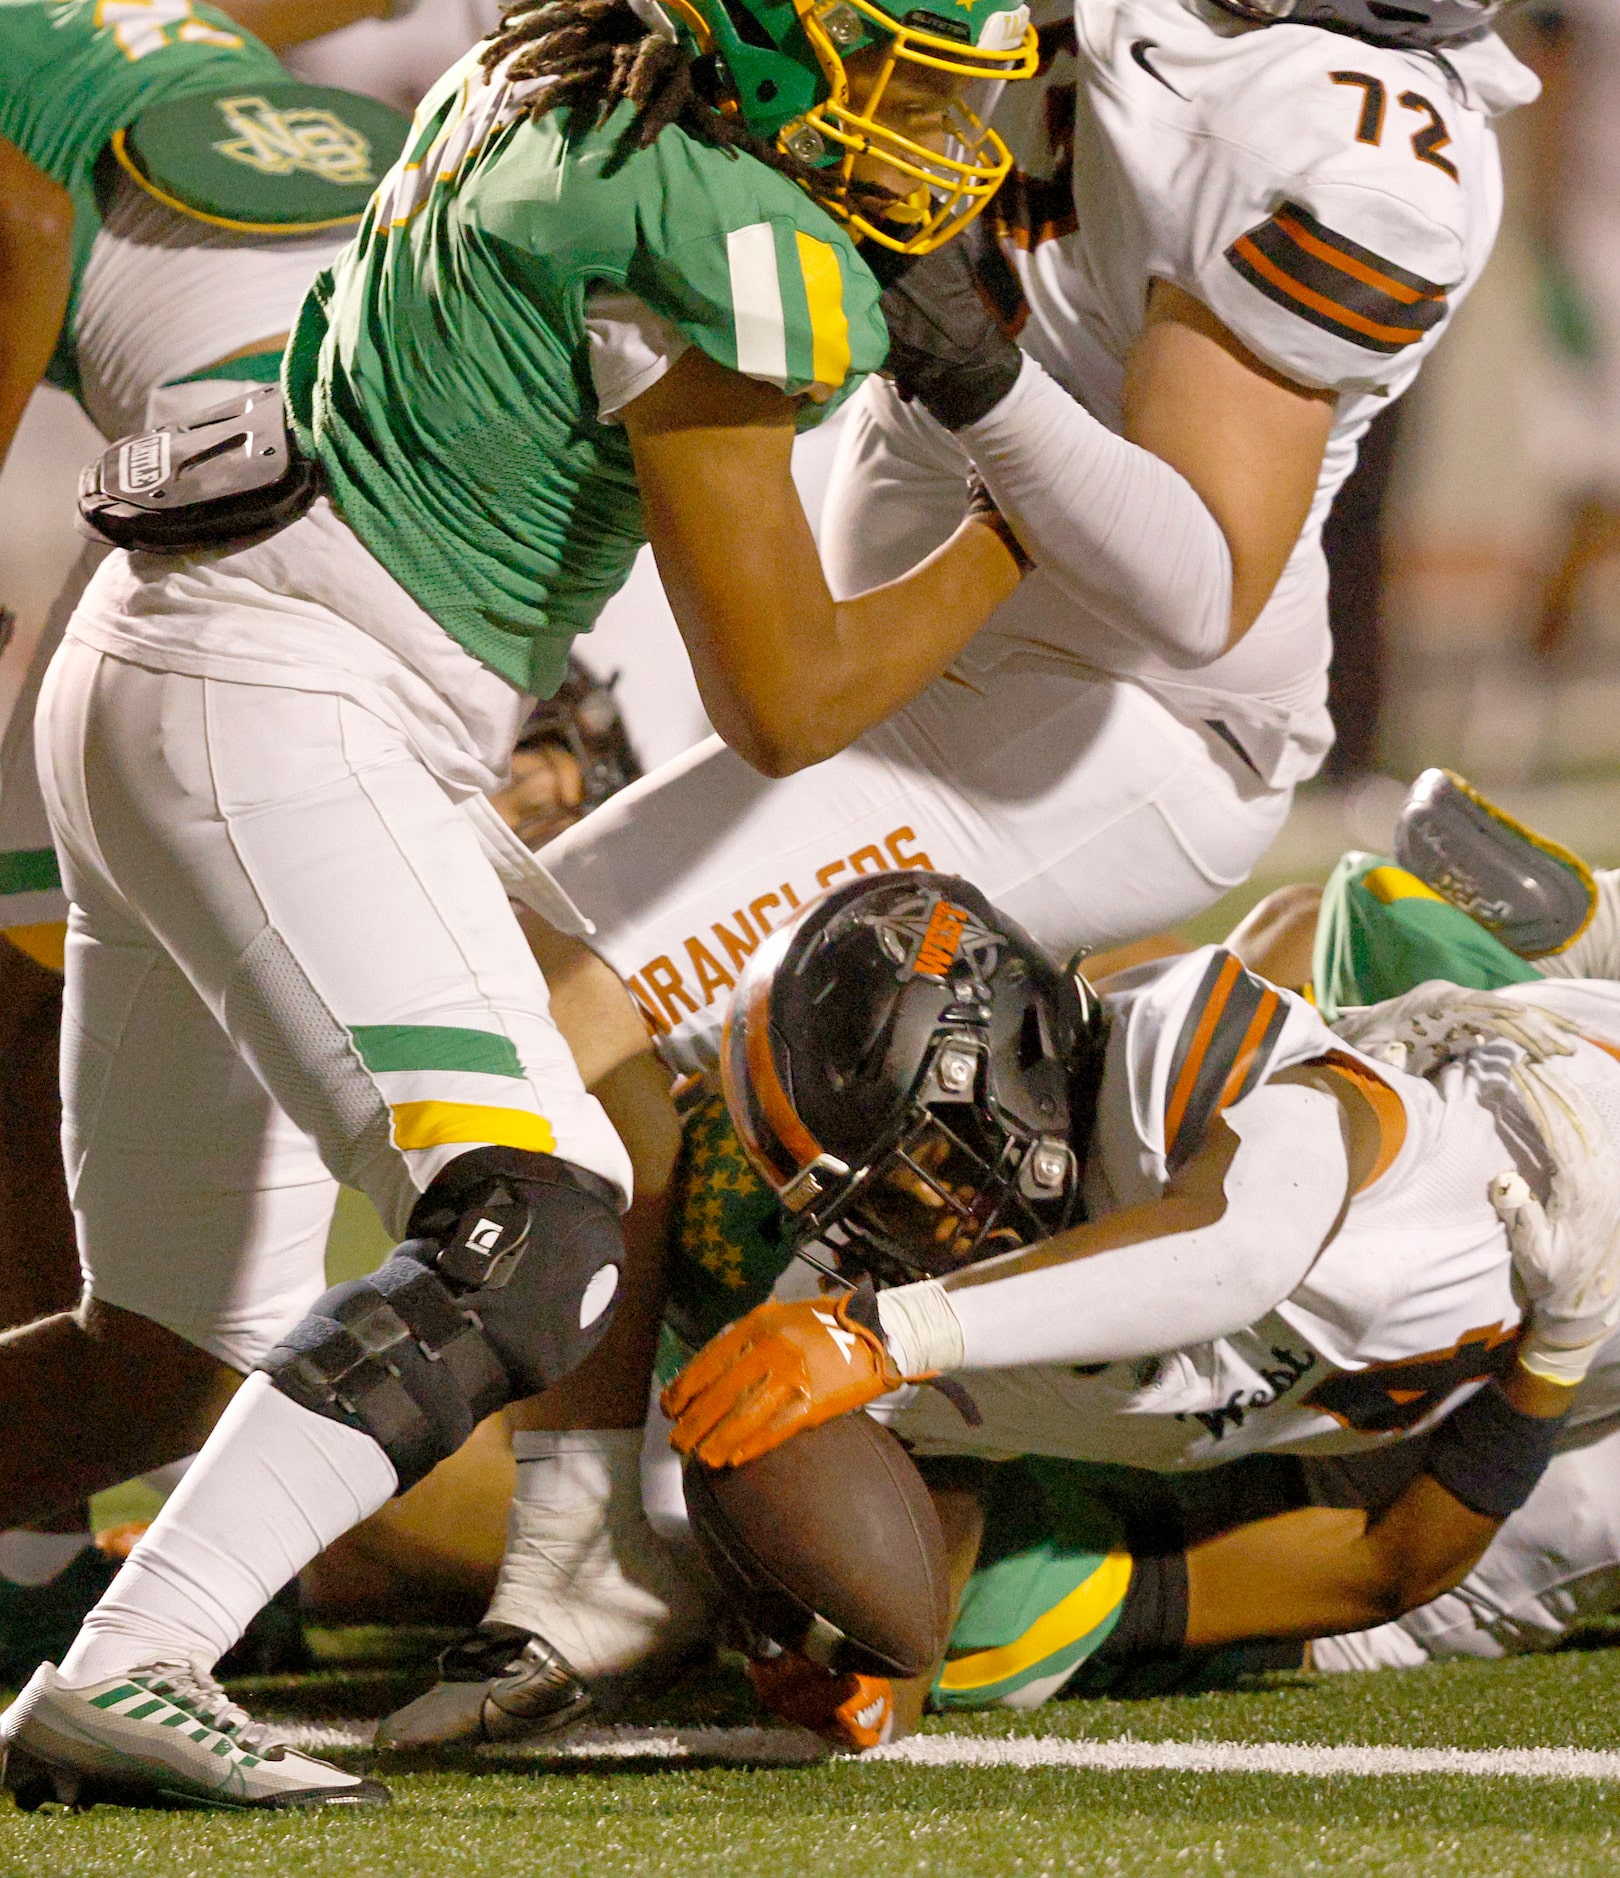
(597, 54)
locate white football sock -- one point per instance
(275, 1485)
(1596, 954)
(583, 1568)
(35, 1558)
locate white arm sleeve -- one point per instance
(1115, 527)
(1284, 1190)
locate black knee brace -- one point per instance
(507, 1283)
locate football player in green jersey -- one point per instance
(140, 304)
(611, 276)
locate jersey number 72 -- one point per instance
(1427, 142)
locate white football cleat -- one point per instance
(163, 1732)
(592, 1608)
(499, 1684)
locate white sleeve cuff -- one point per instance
(631, 348)
(920, 1328)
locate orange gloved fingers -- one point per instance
(764, 1422)
(852, 1712)
(715, 1358)
(707, 1409)
(864, 1717)
(783, 1368)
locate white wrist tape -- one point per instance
(1284, 1192)
(1112, 524)
(920, 1328)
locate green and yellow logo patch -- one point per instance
(276, 142)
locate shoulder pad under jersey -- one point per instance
(1350, 199)
(1200, 1035)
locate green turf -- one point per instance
(875, 1821)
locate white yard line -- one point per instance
(786, 1747)
(1250, 1757)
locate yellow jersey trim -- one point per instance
(438, 1124)
(1068, 1621)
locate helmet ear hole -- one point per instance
(1034, 1039)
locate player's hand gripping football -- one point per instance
(779, 1370)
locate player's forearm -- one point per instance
(788, 675)
(1321, 1570)
(36, 279)
(815, 673)
(1184, 1270)
(1119, 530)
(895, 639)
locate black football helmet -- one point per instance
(913, 1076)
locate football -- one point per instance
(830, 1539)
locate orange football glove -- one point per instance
(852, 1712)
(779, 1370)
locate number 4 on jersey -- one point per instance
(1427, 142)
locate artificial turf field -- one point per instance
(679, 1788)
(624, 1805)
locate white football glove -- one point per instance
(1435, 1023)
(1567, 1253)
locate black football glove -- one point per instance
(946, 348)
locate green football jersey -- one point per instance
(72, 72)
(440, 368)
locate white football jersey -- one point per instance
(1331, 201)
(1410, 1303)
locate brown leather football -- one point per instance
(835, 1525)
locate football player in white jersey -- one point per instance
(1289, 1245)
(1230, 240)
(895, 1063)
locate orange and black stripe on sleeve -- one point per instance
(1226, 1042)
(1337, 284)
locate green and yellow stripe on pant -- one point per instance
(1052, 1575)
(445, 1086)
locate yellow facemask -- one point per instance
(949, 186)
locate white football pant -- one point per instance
(289, 963)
